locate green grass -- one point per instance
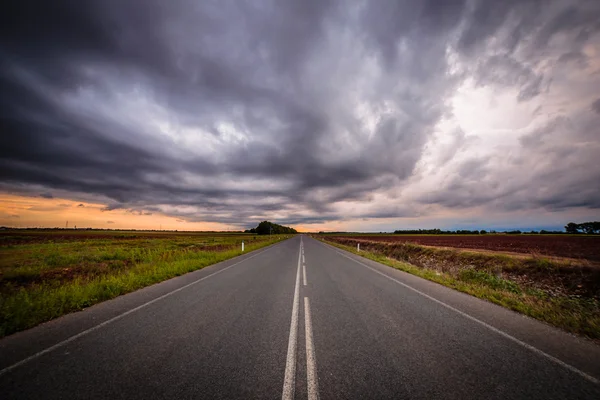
(579, 315)
(42, 281)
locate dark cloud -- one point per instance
(483, 21)
(506, 71)
(582, 18)
(242, 111)
(596, 106)
(46, 195)
(110, 222)
(576, 57)
(536, 138)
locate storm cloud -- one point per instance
(301, 111)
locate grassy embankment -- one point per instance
(565, 294)
(43, 277)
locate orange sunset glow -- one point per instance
(30, 212)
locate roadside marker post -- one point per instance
(358, 247)
(242, 246)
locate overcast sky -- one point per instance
(362, 115)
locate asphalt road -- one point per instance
(298, 319)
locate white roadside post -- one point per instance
(242, 246)
(358, 247)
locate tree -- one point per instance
(267, 228)
(572, 227)
(587, 227)
(590, 227)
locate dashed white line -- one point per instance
(311, 361)
(290, 366)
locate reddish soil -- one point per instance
(577, 247)
(579, 280)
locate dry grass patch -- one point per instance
(44, 278)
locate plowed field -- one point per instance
(572, 246)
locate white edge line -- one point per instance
(312, 382)
(113, 319)
(490, 327)
(289, 380)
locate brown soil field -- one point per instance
(579, 247)
(13, 237)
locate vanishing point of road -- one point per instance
(299, 319)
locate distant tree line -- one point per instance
(470, 232)
(267, 228)
(585, 227)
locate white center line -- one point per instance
(290, 365)
(311, 360)
(304, 273)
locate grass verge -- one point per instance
(45, 282)
(573, 313)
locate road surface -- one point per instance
(299, 319)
